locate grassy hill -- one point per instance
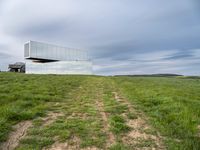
(93, 112)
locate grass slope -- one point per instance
(171, 104)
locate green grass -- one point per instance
(132, 115)
(25, 97)
(172, 106)
(118, 124)
(115, 109)
(35, 142)
(119, 146)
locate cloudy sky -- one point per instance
(122, 36)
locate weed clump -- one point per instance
(118, 124)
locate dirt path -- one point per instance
(73, 144)
(65, 146)
(20, 131)
(104, 116)
(138, 136)
(14, 138)
(51, 117)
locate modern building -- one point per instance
(41, 58)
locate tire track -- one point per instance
(14, 138)
(104, 116)
(138, 125)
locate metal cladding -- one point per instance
(44, 58)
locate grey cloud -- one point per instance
(51, 29)
(133, 35)
(6, 59)
(180, 55)
(4, 55)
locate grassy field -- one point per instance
(172, 105)
(92, 112)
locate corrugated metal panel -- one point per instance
(26, 50)
(52, 52)
(44, 58)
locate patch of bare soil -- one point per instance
(198, 127)
(80, 115)
(15, 136)
(138, 135)
(104, 116)
(73, 144)
(90, 148)
(21, 128)
(122, 100)
(51, 117)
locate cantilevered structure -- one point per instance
(44, 58)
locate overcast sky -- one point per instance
(122, 36)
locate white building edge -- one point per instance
(42, 58)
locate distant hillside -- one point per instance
(153, 75)
(191, 77)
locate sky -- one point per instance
(122, 36)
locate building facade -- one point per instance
(41, 58)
